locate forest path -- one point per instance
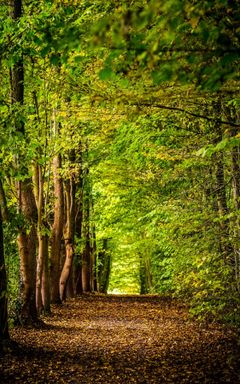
(121, 339)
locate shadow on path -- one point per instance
(119, 339)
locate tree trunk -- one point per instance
(70, 292)
(57, 231)
(86, 266)
(86, 256)
(4, 335)
(77, 271)
(42, 275)
(142, 276)
(104, 268)
(26, 203)
(46, 297)
(27, 239)
(225, 242)
(235, 154)
(94, 258)
(27, 249)
(38, 189)
(145, 274)
(227, 248)
(68, 236)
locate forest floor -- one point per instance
(122, 339)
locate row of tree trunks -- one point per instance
(72, 273)
(40, 283)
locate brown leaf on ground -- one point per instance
(122, 339)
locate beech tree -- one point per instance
(26, 202)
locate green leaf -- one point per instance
(106, 74)
(54, 59)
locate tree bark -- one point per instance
(45, 288)
(145, 274)
(104, 267)
(26, 203)
(4, 335)
(235, 156)
(38, 189)
(68, 236)
(223, 210)
(86, 256)
(77, 271)
(94, 258)
(86, 266)
(57, 231)
(27, 239)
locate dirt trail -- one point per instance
(117, 339)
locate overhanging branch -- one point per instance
(198, 115)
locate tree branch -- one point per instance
(198, 115)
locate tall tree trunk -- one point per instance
(142, 276)
(42, 289)
(77, 271)
(145, 276)
(77, 274)
(27, 239)
(226, 245)
(104, 267)
(225, 242)
(70, 291)
(94, 258)
(38, 188)
(86, 256)
(68, 236)
(236, 198)
(26, 202)
(3, 291)
(57, 231)
(86, 265)
(235, 154)
(46, 297)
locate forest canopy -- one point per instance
(120, 168)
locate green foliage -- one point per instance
(146, 95)
(12, 268)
